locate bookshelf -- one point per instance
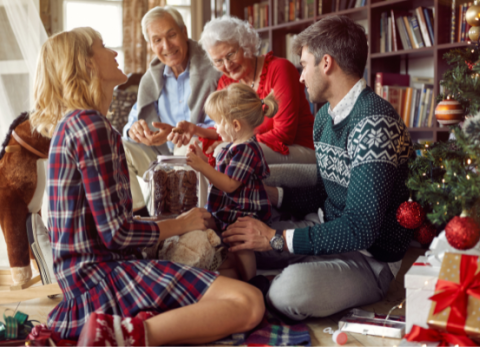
(368, 15)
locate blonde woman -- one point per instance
(111, 295)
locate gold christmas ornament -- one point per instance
(473, 15)
(449, 111)
(474, 33)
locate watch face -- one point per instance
(277, 243)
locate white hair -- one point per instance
(233, 31)
(157, 13)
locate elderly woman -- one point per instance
(232, 45)
(111, 295)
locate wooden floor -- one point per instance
(38, 309)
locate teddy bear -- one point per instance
(196, 248)
(22, 183)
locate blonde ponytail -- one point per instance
(270, 107)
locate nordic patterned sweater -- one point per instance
(362, 165)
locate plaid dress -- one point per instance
(246, 163)
(94, 239)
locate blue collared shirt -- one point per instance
(172, 104)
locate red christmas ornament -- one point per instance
(462, 232)
(425, 234)
(410, 214)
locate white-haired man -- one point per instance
(173, 89)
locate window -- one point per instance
(105, 16)
(183, 6)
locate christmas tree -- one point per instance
(445, 178)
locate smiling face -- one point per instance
(169, 42)
(106, 65)
(313, 77)
(235, 65)
(225, 130)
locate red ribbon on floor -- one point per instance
(419, 334)
(455, 295)
(40, 334)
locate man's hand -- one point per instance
(195, 219)
(272, 193)
(182, 133)
(249, 234)
(141, 133)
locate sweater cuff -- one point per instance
(301, 242)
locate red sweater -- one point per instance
(293, 123)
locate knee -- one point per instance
(251, 300)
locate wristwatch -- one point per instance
(277, 242)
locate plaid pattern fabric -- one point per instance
(93, 235)
(246, 163)
(270, 332)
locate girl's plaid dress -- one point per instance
(94, 239)
(246, 163)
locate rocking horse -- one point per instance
(22, 183)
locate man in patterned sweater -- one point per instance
(362, 149)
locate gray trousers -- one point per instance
(318, 286)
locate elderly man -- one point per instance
(362, 149)
(173, 89)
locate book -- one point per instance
(423, 26)
(298, 9)
(407, 106)
(431, 112)
(308, 8)
(389, 47)
(390, 79)
(417, 35)
(413, 107)
(426, 110)
(320, 7)
(409, 31)
(428, 12)
(403, 33)
(398, 36)
(291, 56)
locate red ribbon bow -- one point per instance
(419, 334)
(39, 335)
(455, 295)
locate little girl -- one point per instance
(237, 189)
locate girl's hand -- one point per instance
(195, 161)
(195, 219)
(212, 147)
(195, 148)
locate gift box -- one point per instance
(420, 282)
(456, 304)
(174, 186)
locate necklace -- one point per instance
(255, 73)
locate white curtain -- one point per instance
(21, 36)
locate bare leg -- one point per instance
(228, 307)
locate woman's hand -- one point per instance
(248, 233)
(182, 133)
(195, 219)
(141, 133)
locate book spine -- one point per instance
(378, 83)
(394, 33)
(403, 33)
(320, 7)
(429, 21)
(409, 31)
(416, 32)
(423, 26)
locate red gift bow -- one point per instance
(40, 334)
(419, 334)
(455, 295)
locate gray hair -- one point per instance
(157, 13)
(339, 37)
(233, 31)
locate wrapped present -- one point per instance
(456, 304)
(420, 282)
(174, 186)
(431, 337)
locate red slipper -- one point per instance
(107, 330)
